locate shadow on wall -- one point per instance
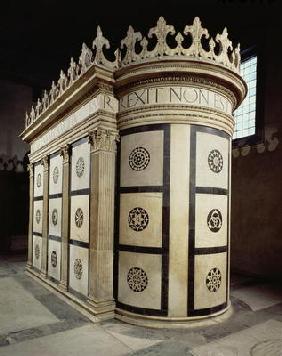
(13, 205)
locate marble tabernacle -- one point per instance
(130, 176)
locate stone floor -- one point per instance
(35, 321)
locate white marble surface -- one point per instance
(37, 224)
(80, 152)
(79, 233)
(150, 297)
(55, 204)
(38, 188)
(56, 163)
(54, 271)
(82, 254)
(152, 175)
(152, 233)
(37, 240)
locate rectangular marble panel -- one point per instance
(55, 174)
(141, 219)
(211, 160)
(37, 216)
(38, 180)
(37, 251)
(210, 220)
(179, 217)
(78, 269)
(54, 259)
(142, 159)
(210, 280)
(144, 273)
(55, 216)
(80, 166)
(79, 218)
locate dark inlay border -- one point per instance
(55, 154)
(80, 141)
(164, 250)
(79, 243)
(192, 250)
(85, 191)
(55, 238)
(54, 196)
(37, 234)
(39, 197)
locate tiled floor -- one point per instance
(34, 321)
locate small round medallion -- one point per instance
(79, 167)
(55, 217)
(213, 280)
(54, 259)
(137, 279)
(215, 161)
(38, 180)
(77, 268)
(78, 217)
(139, 159)
(214, 220)
(37, 251)
(138, 219)
(55, 175)
(38, 216)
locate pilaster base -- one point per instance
(102, 307)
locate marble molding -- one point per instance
(130, 210)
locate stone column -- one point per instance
(45, 220)
(102, 183)
(30, 226)
(66, 153)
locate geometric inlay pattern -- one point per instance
(38, 216)
(37, 251)
(38, 180)
(139, 159)
(137, 279)
(77, 268)
(213, 280)
(215, 161)
(54, 259)
(79, 167)
(78, 217)
(138, 219)
(55, 175)
(214, 220)
(55, 217)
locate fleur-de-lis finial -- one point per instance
(72, 71)
(129, 42)
(197, 32)
(224, 45)
(161, 31)
(99, 43)
(85, 58)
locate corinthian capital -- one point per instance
(103, 140)
(30, 169)
(45, 163)
(66, 152)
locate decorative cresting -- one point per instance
(203, 47)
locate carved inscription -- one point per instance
(176, 95)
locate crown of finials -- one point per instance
(219, 51)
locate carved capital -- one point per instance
(45, 163)
(30, 169)
(103, 140)
(66, 153)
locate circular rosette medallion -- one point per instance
(54, 259)
(139, 159)
(214, 220)
(38, 180)
(213, 280)
(137, 279)
(215, 161)
(79, 167)
(55, 175)
(55, 217)
(77, 268)
(138, 219)
(37, 251)
(78, 217)
(38, 216)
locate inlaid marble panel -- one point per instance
(55, 174)
(37, 216)
(38, 180)
(78, 269)
(79, 218)
(80, 166)
(211, 160)
(141, 219)
(37, 251)
(55, 216)
(54, 259)
(142, 159)
(140, 279)
(210, 280)
(210, 220)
